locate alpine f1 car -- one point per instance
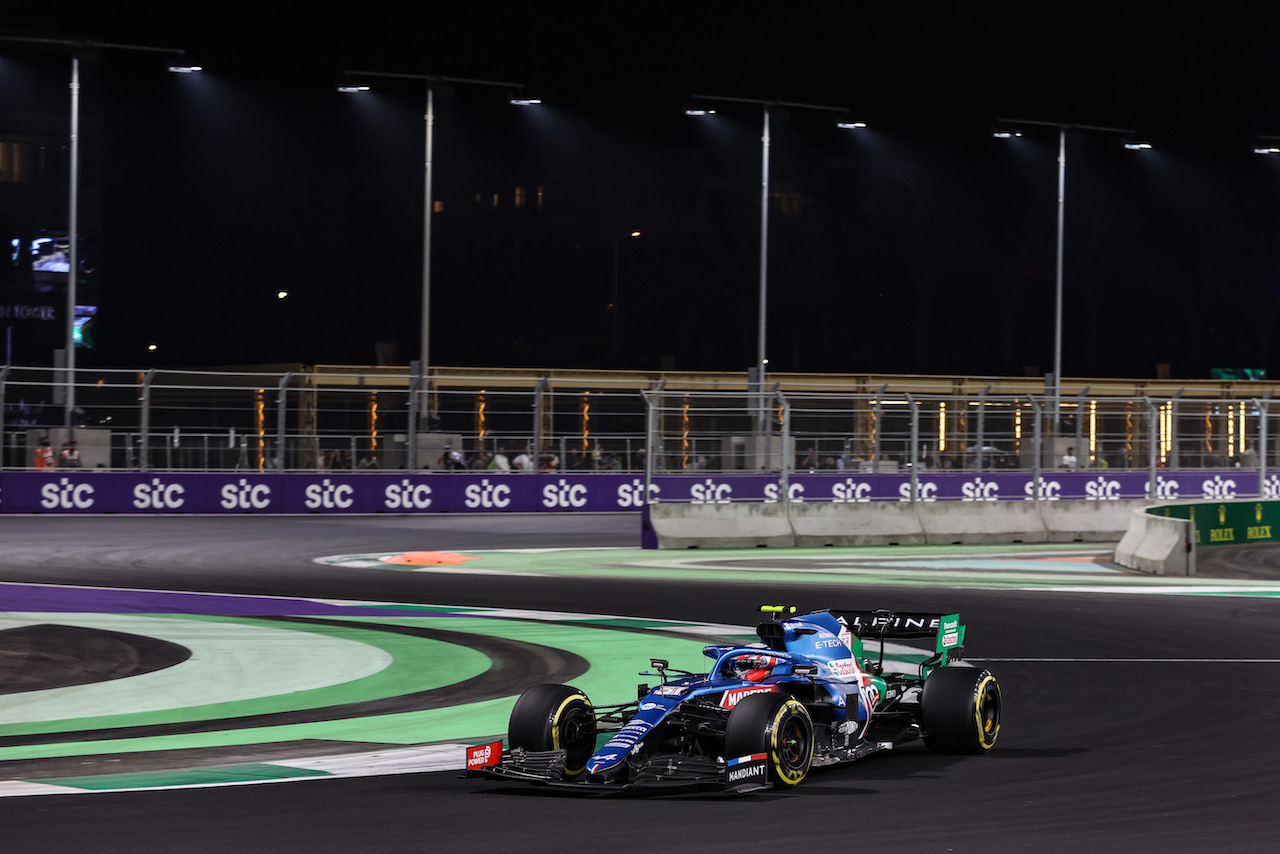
(807, 695)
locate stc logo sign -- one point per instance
(1164, 488)
(1103, 489)
(407, 495)
(1050, 490)
(850, 491)
(632, 494)
(158, 495)
(925, 491)
(1271, 487)
(563, 495)
(488, 496)
(243, 495)
(327, 495)
(710, 492)
(1219, 488)
(772, 491)
(66, 495)
(980, 490)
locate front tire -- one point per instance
(555, 717)
(778, 726)
(960, 710)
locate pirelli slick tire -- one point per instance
(960, 710)
(555, 717)
(778, 726)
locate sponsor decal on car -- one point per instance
(734, 697)
(670, 690)
(747, 770)
(484, 755)
(844, 668)
(628, 736)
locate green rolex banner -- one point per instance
(1226, 523)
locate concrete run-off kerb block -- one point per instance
(1160, 545)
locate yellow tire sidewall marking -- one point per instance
(986, 740)
(555, 728)
(776, 727)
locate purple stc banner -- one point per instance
(489, 492)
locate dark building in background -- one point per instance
(35, 170)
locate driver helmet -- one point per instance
(753, 667)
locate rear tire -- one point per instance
(778, 726)
(960, 710)
(555, 717)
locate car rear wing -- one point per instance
(888, 624)
(946, 629)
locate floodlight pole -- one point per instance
(1055, 389)
(73, 216)
(429, 119)
(762, 360)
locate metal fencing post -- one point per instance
(538, 391)
(1263, 442)
(912, 458)
(282, 411)
(144, 418)
(877, 430)
(785, 480)
(1153, 453)
(4, 378)
(1080, 407)
(1037, 449)
(650, 428)
(411, 428)
(1174, 461)
(982, 424)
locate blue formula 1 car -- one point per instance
(807, 695)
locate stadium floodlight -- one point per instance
(851, 125)
(1062, 128)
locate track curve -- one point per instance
(1133, 722)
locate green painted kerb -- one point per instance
(1224, 523)
(251, 773)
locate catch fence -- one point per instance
(313, 420)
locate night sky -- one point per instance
(917, 245)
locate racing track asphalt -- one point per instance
(1132, 722)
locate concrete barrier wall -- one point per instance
(826, 524)
(1159, 545)
(948, 522)
(720, 526)
(812, 524)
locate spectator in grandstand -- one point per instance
(451, 460)
(44, 455)
(70, 457)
